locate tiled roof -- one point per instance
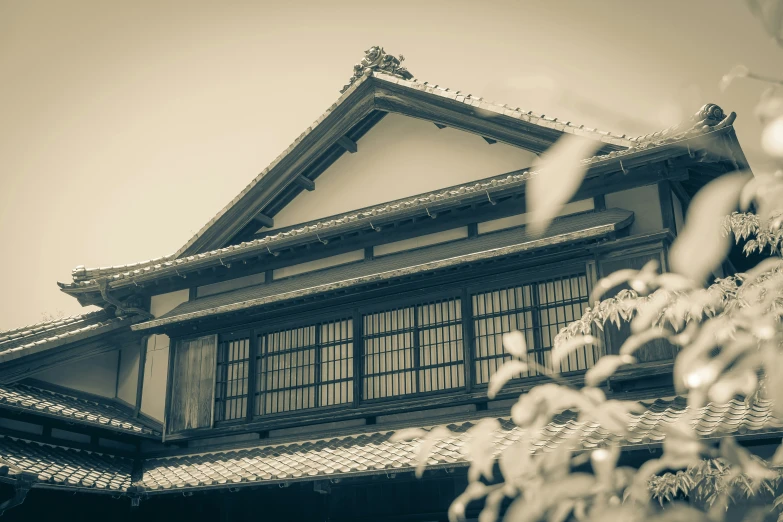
(374, 452)
(583, 227)
(23, 397)
(57, 465)
(709, 116)
(41, 336)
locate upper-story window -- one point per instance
(413, 349)
(539, 310)
(305, 367)
(417, 347)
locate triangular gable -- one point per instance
(377, 91)
(398, 158)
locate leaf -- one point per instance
(738, 456)
(605, 367)
(503, 375)
(701, 246)
(480, 448)
(563, 349)
(738, 71)
(408, 434)
(604, 461)
(514, 461)
(557, 176)
(607, 283)
(772, 138)
(634, 342)
(426, 446)
(514, 343)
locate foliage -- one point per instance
(729, 335)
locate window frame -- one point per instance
(463, 290)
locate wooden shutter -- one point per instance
(193, 384)
(655, 350)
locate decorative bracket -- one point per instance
(122, 308)
(376, 59)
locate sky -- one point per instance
(125, 126)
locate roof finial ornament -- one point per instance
(376, 59)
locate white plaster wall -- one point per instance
(153, 394)
(645, 205)
(318, 264)
(230, 284)
(516, 220)
(96, 374)
(421, 241)
(401, 157)
(128, 376)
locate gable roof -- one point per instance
(380, 85)
(671, 141)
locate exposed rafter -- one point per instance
(305, 183)
(489, 140)
(264, 220)
(440, 126)
(348, 144)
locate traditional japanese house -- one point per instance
(357, 286)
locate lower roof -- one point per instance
(588, 225)
(43, 336)
(361, 453)
(73, 407)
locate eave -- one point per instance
(669, 160)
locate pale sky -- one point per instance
(125, 126)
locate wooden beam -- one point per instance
(599, 202)
(667, 205)
(348, 144)
(305, 182)
(489, 140)
(681, 194)
(264, 220)
(140, 376)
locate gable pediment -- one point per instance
(361, 107)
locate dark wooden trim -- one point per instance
(264, 220)
(489, 140)
(117, 376)
(472, 229)
(682, 195)
(369, 253)
(169, 378)
(140, 376)
(599, 202)
(348, 144)
(439, 126)
(358, 356)
(667, 205)
(305, 182)
(467, 338)
(192, 293)
(251, 374)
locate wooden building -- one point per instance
(357, 286)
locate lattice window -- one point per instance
(233, 364)
(302, 368)
(413, 349)
(539, 310)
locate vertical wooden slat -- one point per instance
(206, 391)
(192, 392)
